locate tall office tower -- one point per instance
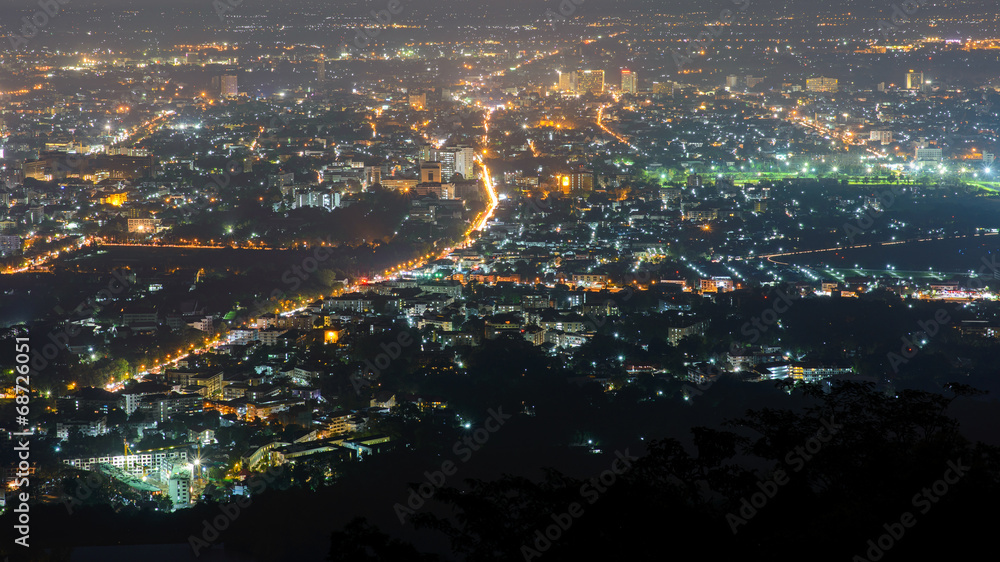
(465, 160)
(228, 87)
(630, 81)
(321, 70)
(447, 160)
(914, 80)
(453, 160)
(567, 82)
(590, 81)
(426, 152)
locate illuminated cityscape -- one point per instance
(458, 280)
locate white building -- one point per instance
(329, 200)
(132, 397)
(884, 137)
(155, 464)
(243, 336)
(453, 160)
(928, 154)
(88, 428)
(179, 490)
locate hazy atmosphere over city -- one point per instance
(469, 281)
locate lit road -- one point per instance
(600, 123)
(841, 248)
(531, 145)
(196, 246)
(146, 128)
(491, 190)
(478, 225)
(792, 117)
(39, 261)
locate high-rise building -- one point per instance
(630, 81)
(228, 86)
(741, 82)
(373, 175)
(321, 70)
(453, 160)
(576, 181)
(821, 84)
(179, 489)
(464, 159)
(914, 80)
(10, 245)
(426, 152)
(567, 82)
(418, 102)
(663, 88)
(447, 160)
(884, 137)
(590, 81)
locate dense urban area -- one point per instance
(387, 281)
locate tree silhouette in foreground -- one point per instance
(843, 486)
